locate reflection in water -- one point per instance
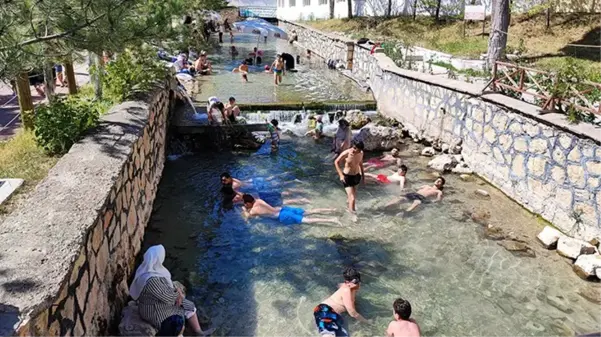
(313, 82)
(261, 278)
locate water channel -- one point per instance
(262, 278)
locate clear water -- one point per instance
(262, 278)
(312, 83)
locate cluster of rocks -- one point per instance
(446, 158)
(585, 255)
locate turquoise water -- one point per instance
(312, 83)
(262, 278)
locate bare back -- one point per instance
(261, 208)
(339, 298)
(402, 328)
(352, 164)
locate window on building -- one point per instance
(292, 3)
(323, 2)
(306, 2)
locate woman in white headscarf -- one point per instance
(157, 297)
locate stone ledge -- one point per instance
(40, 243)
(334, 37)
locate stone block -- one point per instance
(108, 217)
(78, 264)
(575, 155)
(102, 260)
(79, 329)
(586, 266)
(593, 167)
(549, 237)
(40, 324)
(132, 221)
(536, 166)
(520, 144)
(558, 174)
(573, 248)
(538, 146)
(565, 141)
(81, 292)
(517, 166)
(576, 175)
(443, 163)
(88, 315)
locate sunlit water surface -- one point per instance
(313, 81)
(262, 278)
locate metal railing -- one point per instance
(258, 11)
(548, 91)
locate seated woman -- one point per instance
(202, 64)
(157, 298)
(385, 160)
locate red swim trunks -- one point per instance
(383, 179)
(377, 162)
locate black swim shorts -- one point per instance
(352, 180)
(416, 196)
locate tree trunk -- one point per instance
(497, 41)
(414, 9)
(332, 4)
(70, 75)
(95, 63)
(49, 80)
(349, 4)
(25, 101)
(389, 10)
(438, 10)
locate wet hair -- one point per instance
(247, 198)
(232, 98)
(274, 122)
(350, 274)
(402, 308)
(443, 182)
(358, 144)
(403, 168)
(343, 122)
(226, 175)
(172, 326)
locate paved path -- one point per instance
(9, 105)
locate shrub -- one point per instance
(62, 122)
(133, 72)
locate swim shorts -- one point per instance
(416, 196)
(291, 215)
(277, 71)
(272, 198)
(383, 179)
(352, 180)
(328, 321)
(377, 162)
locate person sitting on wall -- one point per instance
(157, 298)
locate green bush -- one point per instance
(62, 122)
(133, 72)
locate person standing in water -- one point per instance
(353, 173)
(274, 133)
(403, 325)
(342, 139)
(328, 313)
(278, 68)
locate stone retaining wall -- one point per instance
(551, 167)
(66, 256)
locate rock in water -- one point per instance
(517, 248)
(462, 168)
(586, 266)
(572, 248)
(380, 138)
(482, 193)
(428, 152)
(356, 119)
(592, 294)
(443, 163)
(560, 303)
(465, 177)
(132, 324)
(549, 237)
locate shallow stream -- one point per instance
(262, 278)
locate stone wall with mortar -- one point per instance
(66, 256)
(551, 167)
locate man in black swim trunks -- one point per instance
(352, 174)
(424, 195)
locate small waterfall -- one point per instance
(184, 93)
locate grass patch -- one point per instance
(528, 36)
(21, 158)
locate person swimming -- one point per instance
(243, 70)
(385, 160)
(327, 314)
(286, 215)
(353, 173)
(424, 195)
(396, 177)
(403, 325)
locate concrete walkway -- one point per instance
(10, 121)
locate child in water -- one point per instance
(402, 325)
(242, 69)
(274, 133)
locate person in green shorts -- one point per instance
(286, 215)
(274, 133)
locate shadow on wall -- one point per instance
(592, 38)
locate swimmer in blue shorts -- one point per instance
(286, 215)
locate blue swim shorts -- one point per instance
(291, 215)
